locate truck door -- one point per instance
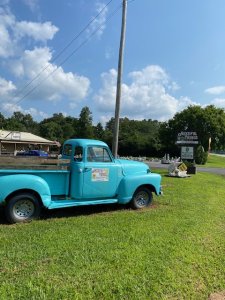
(100, 175)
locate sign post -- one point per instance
(188, 140)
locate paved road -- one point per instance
(158, 165)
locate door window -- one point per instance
(78, 155)
(98, 154)
(67, 150)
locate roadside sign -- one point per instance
(186, 137)
(187, 152)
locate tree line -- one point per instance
(136, 138)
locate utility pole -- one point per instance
(119, 80)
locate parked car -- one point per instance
(32, 153)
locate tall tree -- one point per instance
(58, 127)
(208, 123)
(136, 137)
(85, 127)
(2, 121)
(22, 122)
(99, 131)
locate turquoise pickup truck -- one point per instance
(90, 175)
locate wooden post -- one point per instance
(119, 80)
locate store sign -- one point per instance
(16, 136)
(187, 137)
(187, 152)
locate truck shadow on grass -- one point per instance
(81, 211)
(72, 211)
(3, 220)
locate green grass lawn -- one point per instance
(215, 161)
(175, 249)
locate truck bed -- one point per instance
(33, 163)
(54, 171)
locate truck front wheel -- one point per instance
(142, 198)
(22, 208)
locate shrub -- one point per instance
(201, 155)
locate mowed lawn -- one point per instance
(175, 249)
(215, 161)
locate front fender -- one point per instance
(13, 183)
(129, 184)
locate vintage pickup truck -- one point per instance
(87, 174)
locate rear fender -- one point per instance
(12, 183)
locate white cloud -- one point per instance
(218, 102)
(10, 108)
(147, 95)
(27, 65)
(35, 113)
(6, 89)
(53, 85)
(98, 24)
(216, 90)
(6, 48)
(7, 21)
(37, 31)
(9, 104)
(104, 119)
(185, 102)
(12, 31)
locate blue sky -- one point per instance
(174, 57)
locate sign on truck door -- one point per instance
(100, 175)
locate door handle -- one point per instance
(87, 169)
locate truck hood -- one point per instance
(131, 167)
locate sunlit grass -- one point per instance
(172, 250)
(215, 161)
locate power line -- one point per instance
(63, 50)
(70, 55)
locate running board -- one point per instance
(71, 203)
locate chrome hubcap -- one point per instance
(23, 209)
(142, 199)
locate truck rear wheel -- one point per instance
(22, 208)
(142, 198)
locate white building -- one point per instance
(12, 141)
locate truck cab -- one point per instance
(94, 172)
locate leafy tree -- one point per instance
(52, 131)
(85, 128)
(58, 127)
(135, 137)
(99, 131)
(21, 122)
(2, 121)
(208, 123)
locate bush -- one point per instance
(201, 155)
